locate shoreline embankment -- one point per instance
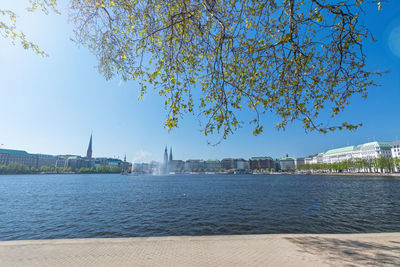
(360, 174)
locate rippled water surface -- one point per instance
(80, 206)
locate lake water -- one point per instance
(82, 206)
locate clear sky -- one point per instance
(51, 105)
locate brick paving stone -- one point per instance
(240, 250)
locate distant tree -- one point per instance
(45, 169)
(86, 170)
(15, 168)
(115, 169)
(103, 169)
(294, 58)
(397, 163)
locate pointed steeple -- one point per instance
(165, 156)
(125, 158)
(170, 154)
(89, 150)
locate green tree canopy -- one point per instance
(293, 58)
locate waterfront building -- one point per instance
(114, 162)
(126, 166)
(234, 164)
(61, 161)
(97, 162)
(8, 156)
(371, 150)
(395, 150)
(213, 165)
(396, 153)
(241, 164)
(308, 160)
(176, 166)
(316, 159)
(228, 164)
(258, 163)
(319, 158)
(194, 165)
(77, 162)
(46, 161)
(202, 165)
(287, 164)
(339, 154)
(300, 162)
(277, 164)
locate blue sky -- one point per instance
(51, 105)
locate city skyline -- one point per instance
(168, 157)
(49, 105)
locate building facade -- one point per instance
(300, 162)
(395, 150)
(228, 164)
(287, 164)
(176, 166)
(213, 165)
(37, 161)
(258, 163)
(371, 150)
(241, 164)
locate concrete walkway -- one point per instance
(246, 250)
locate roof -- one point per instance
(14, 152)
(287, 159)
(261, 158)
(114, 160)
(375, 144)
(213, 160)
(341, 150)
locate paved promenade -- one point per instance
(246, 250)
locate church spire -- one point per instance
(165, 156)
(170, 154)
(89, 150)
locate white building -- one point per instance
(308, 160)
(370, 150)
(317, 159)
(395, 149)
(338, 154)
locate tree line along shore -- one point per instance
(18, 168)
